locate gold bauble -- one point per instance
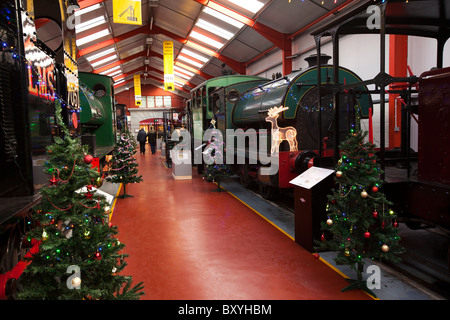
(385, 248)
(98, 182)
(76, 281)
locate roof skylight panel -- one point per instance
(101, 54)
(250, 5)
(201, 23)
(190, 61)
(110, 70)
(92, 37)
(207, 40)
(194, 55)
(89, 24)
(103, 61)
(223, 17)
(88, 9)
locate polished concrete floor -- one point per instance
(188, 242)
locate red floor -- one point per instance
(186, 242)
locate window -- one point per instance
(159, 102)
(167, 101)
(156, 101)
(150, 102)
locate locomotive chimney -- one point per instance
(312, 59)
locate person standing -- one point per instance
(152, 140)
(142, 138)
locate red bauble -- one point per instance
(88, 158)
(97, 256)
(53, 181)
(367, 234)
(316, 255)
(322, 237)
(374, 189)
(375, 214)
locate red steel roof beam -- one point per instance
(87, 3)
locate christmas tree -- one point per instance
(124, 166)
(360, 223)
(216, 169)
(79, 254)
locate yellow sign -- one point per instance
(137, 89)
(127, 12)
(169, 78)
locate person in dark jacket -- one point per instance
(142, 138)
(152, 140)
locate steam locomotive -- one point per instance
(234, 108)
(35, 72)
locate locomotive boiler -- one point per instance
(304, 128)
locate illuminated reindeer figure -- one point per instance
(279, 134)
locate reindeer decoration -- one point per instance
(279, 134)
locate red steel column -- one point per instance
(398, 65)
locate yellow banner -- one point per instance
(127, 12)
(169, 78)
(137, 90)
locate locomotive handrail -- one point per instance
(381, 80)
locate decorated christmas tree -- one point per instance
(79, 255)
(216, 169)
(124, 166)
(360, 224)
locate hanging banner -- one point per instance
(169, 78)
(127, 12)
(137, 90)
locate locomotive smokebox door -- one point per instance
(310, 198)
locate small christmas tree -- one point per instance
(124, 166)
(74, 233)
(360, 223)
(216, 169)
